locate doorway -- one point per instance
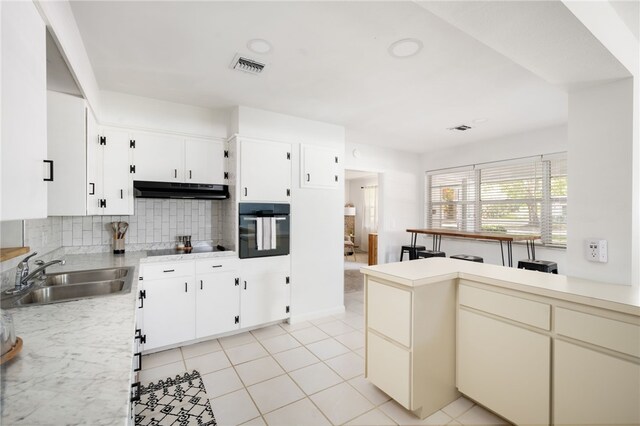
(360, 220)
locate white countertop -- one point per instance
(420, 272)
(76, 363)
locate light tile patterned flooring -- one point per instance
(302, 374)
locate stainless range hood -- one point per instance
(199, 191)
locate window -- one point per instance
(516, 197)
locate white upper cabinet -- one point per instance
(159, 157)
(265, 171)
(117, 183)
(167, 158)
(319, 167)
(24, 113)
(95, 167)
(204, 161)
(67, 148)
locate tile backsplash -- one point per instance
(154, 221)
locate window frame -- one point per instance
(546, 200)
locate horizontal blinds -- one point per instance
(516, 197)
(452, 200)
(511, 198)
(557, 226)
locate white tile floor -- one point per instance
(302, 374)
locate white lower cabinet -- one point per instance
(218, 298)
(264, 294)
(169, 307)
(264, 298)
(188, 300)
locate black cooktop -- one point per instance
(194, 250)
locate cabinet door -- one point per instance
(319, 168)
(264, 297)
(591, 387)
(265, 171)
(66, 146)
(95, 167)
(217, 303)
(159, 158)
(504, 367)
(24, 113)
(204, 161)
(169, 311)
(118, 185)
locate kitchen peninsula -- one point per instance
(439, 326)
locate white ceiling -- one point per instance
(329, 63)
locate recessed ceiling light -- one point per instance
(480, 120)
(405, 48)
(258, 45)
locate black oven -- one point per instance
(263, 229)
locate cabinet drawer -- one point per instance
(389, 311)
(389, 368)
(152, 271)
(612, 334)
(218, 264)
(514, 308)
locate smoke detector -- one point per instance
(247, 65)
(461, 127)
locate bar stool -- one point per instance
(468, 258)
(431, 253)
(412, 250)
(539, 265)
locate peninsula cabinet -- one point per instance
(596, 368)
(502, 363)
(410, 343)
(536, 349)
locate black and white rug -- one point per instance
(175, 401)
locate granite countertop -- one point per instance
(76, 363)
(620, 298)
(76, 360)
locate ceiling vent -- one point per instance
(247, 65)
(461, 127)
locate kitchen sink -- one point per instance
(78, 277)
(74, 285)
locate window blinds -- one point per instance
(516, 197)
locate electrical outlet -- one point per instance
(596, 250)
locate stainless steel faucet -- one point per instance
(24, 277)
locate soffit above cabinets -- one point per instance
(59, 78)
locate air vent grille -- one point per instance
(461, 127)
(247, 65)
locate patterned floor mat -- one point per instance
(175, 401)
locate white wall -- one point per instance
(600, 179)
(399, 191)
(317, 280)
(542, 141)
(604, 22)
(142, 113)
(356, 197)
